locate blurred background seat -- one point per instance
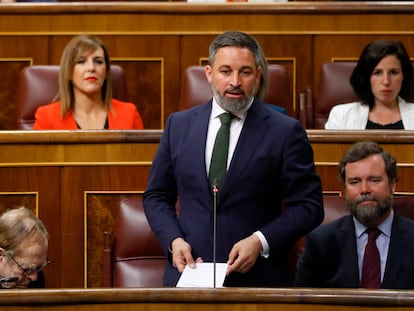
(132, 254)
(38, 85)
(334, 88)
(334, 207)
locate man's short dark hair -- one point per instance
(364, 149)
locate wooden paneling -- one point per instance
(66, 176)
(145, 85)
(93, 191)
(329, 147)
(37, 188)
(9, 68)
(100, 213)
(155, 42)
(74, 180)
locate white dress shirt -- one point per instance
(383, 242)
(235, 130)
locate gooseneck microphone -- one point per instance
(215, 191)
(9, 279)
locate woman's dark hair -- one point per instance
(372, 54)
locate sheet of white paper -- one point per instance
(203, 275)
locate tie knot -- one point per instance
(226, 117)
(373, 233)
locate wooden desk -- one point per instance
(155, 42)
(329, 147)
(223, 299)
(75, 179)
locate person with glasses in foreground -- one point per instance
(23, 249)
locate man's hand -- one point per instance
(181, 255)
(243, 255)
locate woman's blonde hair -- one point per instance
(75, 49)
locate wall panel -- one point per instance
(99, 215)
(10, 68)
(75, 180)
(37, 188)
(177, 35)
(80, 182)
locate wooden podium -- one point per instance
(74, 181)
(224, 299)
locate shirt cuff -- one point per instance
(265, 246)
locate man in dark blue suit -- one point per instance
(270, 165)
(333, 254)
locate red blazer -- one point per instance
(124, 116)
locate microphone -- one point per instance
(215, 191)
(9, 279)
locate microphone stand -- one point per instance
(215, 191)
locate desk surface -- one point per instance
(300, 7)
(139, 146)
(279, 297)
(153, 136)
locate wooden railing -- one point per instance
(74, 180)
(223, 299)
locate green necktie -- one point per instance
(218, 165)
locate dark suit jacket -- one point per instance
(272, 162)
(330, 256)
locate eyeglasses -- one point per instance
(28, 271)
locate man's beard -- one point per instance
(368, 214)
(232, 104)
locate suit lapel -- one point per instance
(251, 135)
(347, 242)
(197, 142)
(396, 252)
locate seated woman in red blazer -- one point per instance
(85, 93)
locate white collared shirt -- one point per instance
(235, 130)
(213, 127)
